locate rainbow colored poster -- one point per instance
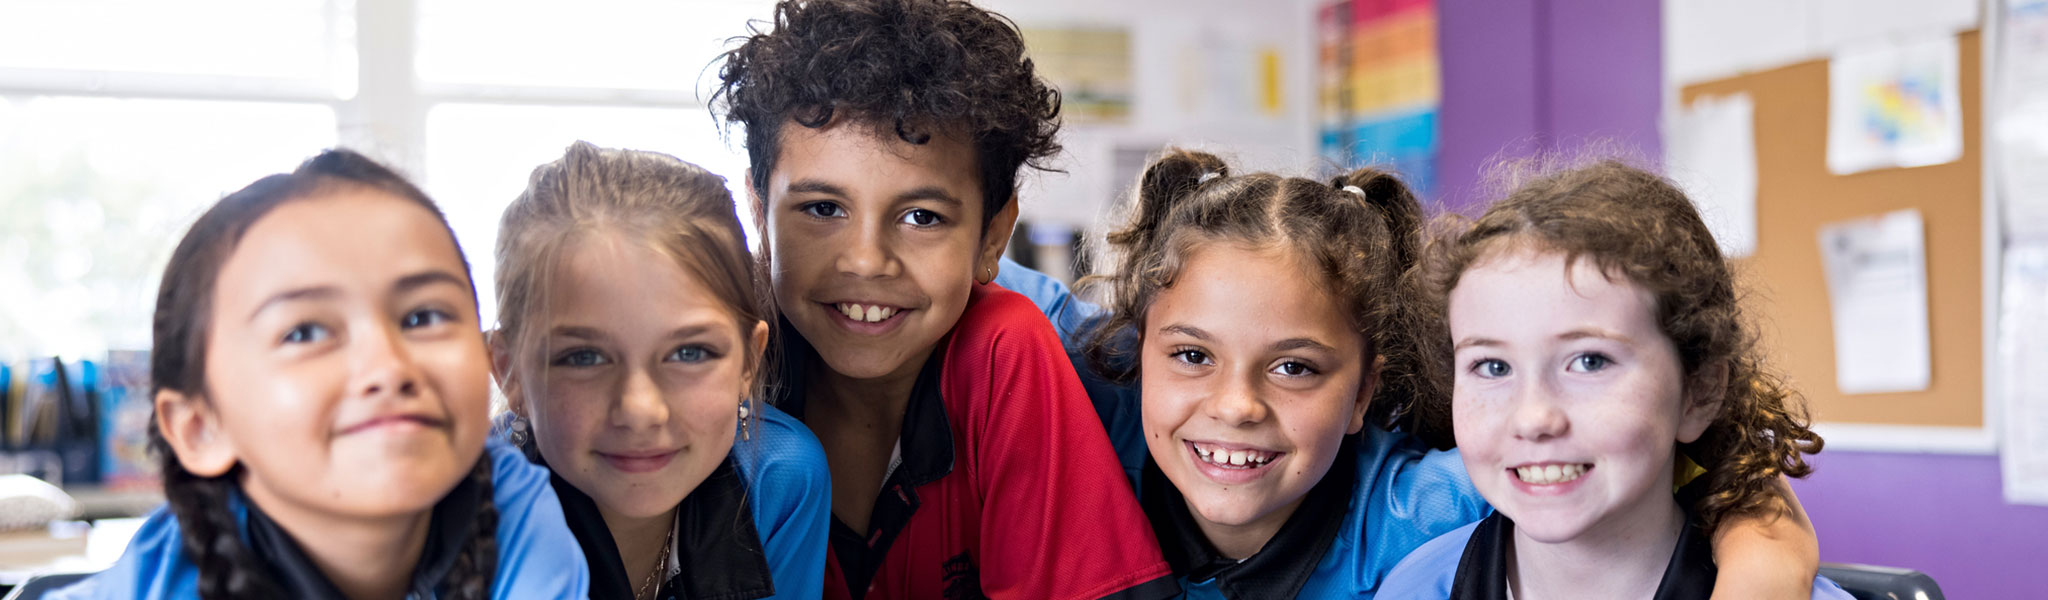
(1380, 81)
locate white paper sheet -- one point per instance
(1894, 105)
(1877, 293)
(2020, 133)
(2023, 372)
(1712, 155)
(1838, 23)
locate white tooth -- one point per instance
(888, 312)
(848, 310)
(1551, 473)
(1524, 474)
(874, 313)
(1237, 458)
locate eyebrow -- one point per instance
(1187, 330)
(425, 278)
(1593, 332)
(1302, 343)
(1477, 342)
(929, 192)
(323, 292)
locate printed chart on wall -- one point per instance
(2021, 139)
(1381, 85)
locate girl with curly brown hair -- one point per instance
(1601, 359)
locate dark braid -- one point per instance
(228, 568)
(470, 578)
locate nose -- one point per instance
(640, 403)
(869, 253)
(1237, 403)
(1537, 416)
(384, 365)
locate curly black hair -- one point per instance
(905, 68)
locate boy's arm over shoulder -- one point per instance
(791, 490)
(537, 555)
(1054, 499)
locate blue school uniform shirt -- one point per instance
(1431, 572)
(777, 473)
(1401, 495)
(537, 556)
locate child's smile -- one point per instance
(1568, 396)
(874, 243)
(1252, 376)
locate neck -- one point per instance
(874, 406)
(1617, 558)
(364, 558)
(1239, 542)
(639, 540)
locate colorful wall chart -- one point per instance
(1380, 79)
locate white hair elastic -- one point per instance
(1354, 189)
(1206, 177)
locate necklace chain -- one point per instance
(660, 563)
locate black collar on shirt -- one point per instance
(1284, 564)
(716, 544)
(1483, 569)
(926, 443)
(448, 529)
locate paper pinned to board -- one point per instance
(1895, 105)
(1712, 156)
(2023, 383)
(1877, 295)
(2020, 133)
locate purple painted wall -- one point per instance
(1528, 76)
(1943, 515)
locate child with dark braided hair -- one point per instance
(321, 390)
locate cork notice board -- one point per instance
(1796, 195)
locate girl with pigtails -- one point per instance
(1288, 392)
(321, 391)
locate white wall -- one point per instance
(1179, 49)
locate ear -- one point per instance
(1365, 390)
(194, 432)
(759, 342)
(757, 205)
(501, 371)
(1709, 387)
(996, 239)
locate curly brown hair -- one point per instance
(1636, 224)
(1365, 244)
(902, 68)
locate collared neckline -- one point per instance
(1284, 564)
(1482, 569)
(449, 527)
(717, 553)
(925, 448)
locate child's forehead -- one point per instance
(874, 141)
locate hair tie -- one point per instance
(1206, 177)
(1355, 190)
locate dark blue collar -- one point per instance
(1483, 569)
(448, 530)
(1284, 564)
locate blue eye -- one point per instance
(922, 218)
(580, 357)
(691, 354)
(823, 210)
(1294, 368)
(1491, 368)
(1590, 362)
(425, 317)
(306, 333)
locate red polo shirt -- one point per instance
(1006, 485)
